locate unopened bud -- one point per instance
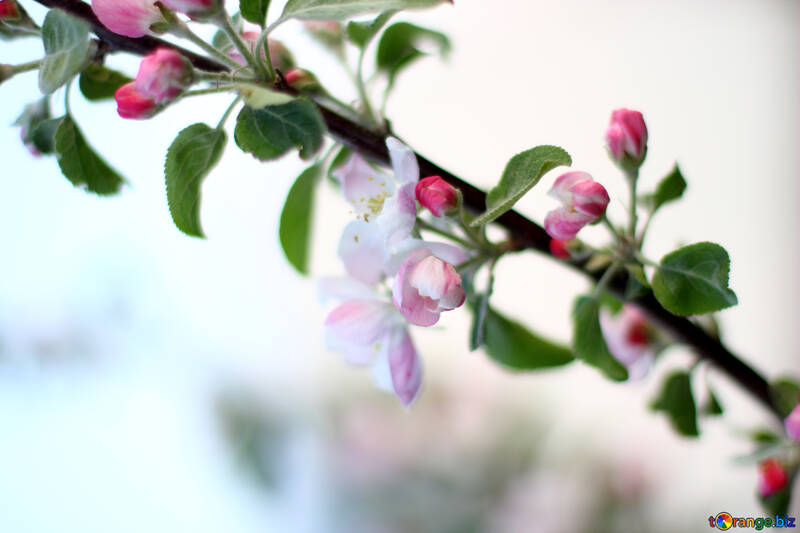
(163, 75)
(771, 477)
(134, 105)
(627, 138)
(438, 196)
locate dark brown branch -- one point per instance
(523, 232)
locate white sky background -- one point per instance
(126, 441)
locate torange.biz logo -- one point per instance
(726, 521)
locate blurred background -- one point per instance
(154, 382)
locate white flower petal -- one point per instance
(404, 161)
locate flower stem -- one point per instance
(225, 23)
(210, 90)
(228, 112)
(266, 65)
(180, 29)
(633, 176)
(444, 233)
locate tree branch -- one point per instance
(524, 233)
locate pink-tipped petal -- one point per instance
(564, 224)
(629, 340)
(358, 327)
(792, 424)
(425, 286)
(404, 161)
(131, 18)
(615, 139)
(561, 189)
(589, 198)
(193, 7)
(405, 366)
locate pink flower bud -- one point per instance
(194, 8)
(9, 10)
(425, 286)
(584, 201)
(436, 195)
(771, 477)
(627, 134)
(132, 104)
(589, 198)
(163, 75)
(327, 32)
(131, 18)
(792, 424)
(302, 80)
(559, 249)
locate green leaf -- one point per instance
(398, 47)
(80, 164)
(677, 401)
(669, 189)
(344, 9)
(296, 217)
(43, 136)
(588, 342)
(514, 346)
(693, 280)
(361, 33)
(712, 406)
(478, 334)
(785, 393)
(191, 156)
(257, 97)
(254, 11)
(66, 46)
(270, 132)
(522, 172)
(100, 83)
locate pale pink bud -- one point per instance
(559, 249)
(627, 134)
(425, 286)
(792, 424)
(436, 195)
(163, 75)
(132, 104)
(327, 32)
(564, 224)
(194, 8)
(771, 477)
(584, 201)
(131, 18)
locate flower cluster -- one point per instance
(394, 279)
